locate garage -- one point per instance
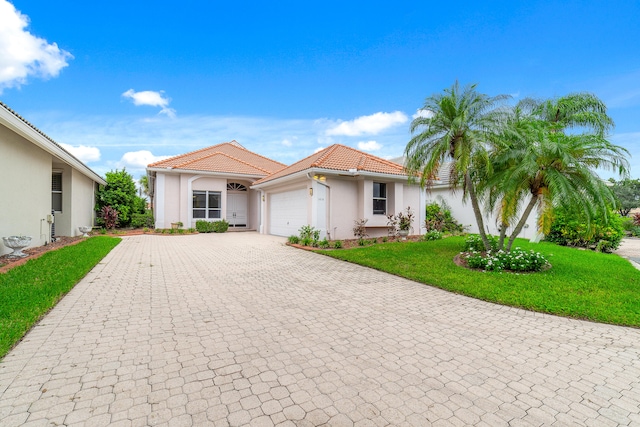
(288, 212)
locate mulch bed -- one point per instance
(7, 262)
(353, 243)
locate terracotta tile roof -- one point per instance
(340, 158)
(228, 157)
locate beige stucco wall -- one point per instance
(82, 202)
(25, 188)
(173, 197)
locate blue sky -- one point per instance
(123, 84)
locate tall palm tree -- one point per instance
(535, 158)
(455, 129)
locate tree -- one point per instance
(627, 192)
(455, 129)
(144, 185)
(120, 194)
(535, 158)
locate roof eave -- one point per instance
(207, 173)
(335, 172)
(20, 127)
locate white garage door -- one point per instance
(287, 212)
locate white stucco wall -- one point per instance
(463, 213)
(25, 188)
(82, 202)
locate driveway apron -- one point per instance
(238, 329)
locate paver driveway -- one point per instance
(238, 329)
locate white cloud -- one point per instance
(423, 113)
(139, 159)
(369, 146)
(22, 54)
(83, 153)
(152, 98)
(368, 125)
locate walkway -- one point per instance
(238, 329)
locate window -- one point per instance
(56, 192)
(234, 186)
(379, 198)
(207, 204)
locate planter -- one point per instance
(17, 243)
(403, 234)
(84, 230)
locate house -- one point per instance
(209, 184)
(334, 187)
(328, 190)
(38, 177)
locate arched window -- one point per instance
(234, 186)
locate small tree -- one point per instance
(120, 194)
(627, 191)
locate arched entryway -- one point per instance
(237, 201)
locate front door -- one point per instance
(237, 209)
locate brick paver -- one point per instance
(238, 329)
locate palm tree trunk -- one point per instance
(476, 210)
(523, 220)
(503, 234)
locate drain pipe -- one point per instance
(328, 209)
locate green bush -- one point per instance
(294, 240)
(473, 242)
(630, 226)
(432, 235)
(516, 260)
(139, 220)
(337, 244)
(203, 226)
(220, 226)
(603, 235)
(324, 243)
(439, 218)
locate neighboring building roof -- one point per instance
(340, 158)
(22, 127)
(228, 157)
(443, 177)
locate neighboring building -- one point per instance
(334, 187)
(210, 184)
(39, 176)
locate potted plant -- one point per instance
(176, 225)
(402, 222)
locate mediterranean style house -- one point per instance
(38, 177)
(328, 190)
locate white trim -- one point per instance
(159, 200)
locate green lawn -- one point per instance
(581, 284)
(29, 291)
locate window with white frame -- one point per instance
(207, 204)
(56, 191)
(379, 198)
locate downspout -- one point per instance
(328, 209)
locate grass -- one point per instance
(581, 284)
(29, 291)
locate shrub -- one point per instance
(359, 228)
(636, 218)
(310, 233)
(473, 242)
(109, 217)
(337, 244)
(570, 229)
(293, 239)
(439, 218)
(306, 241)
(220, 226)
(324, 243)
(141, 220)
(204, 226)
(432, 235)
(516, 260)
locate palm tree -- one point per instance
(535, 158)
(455, 129)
